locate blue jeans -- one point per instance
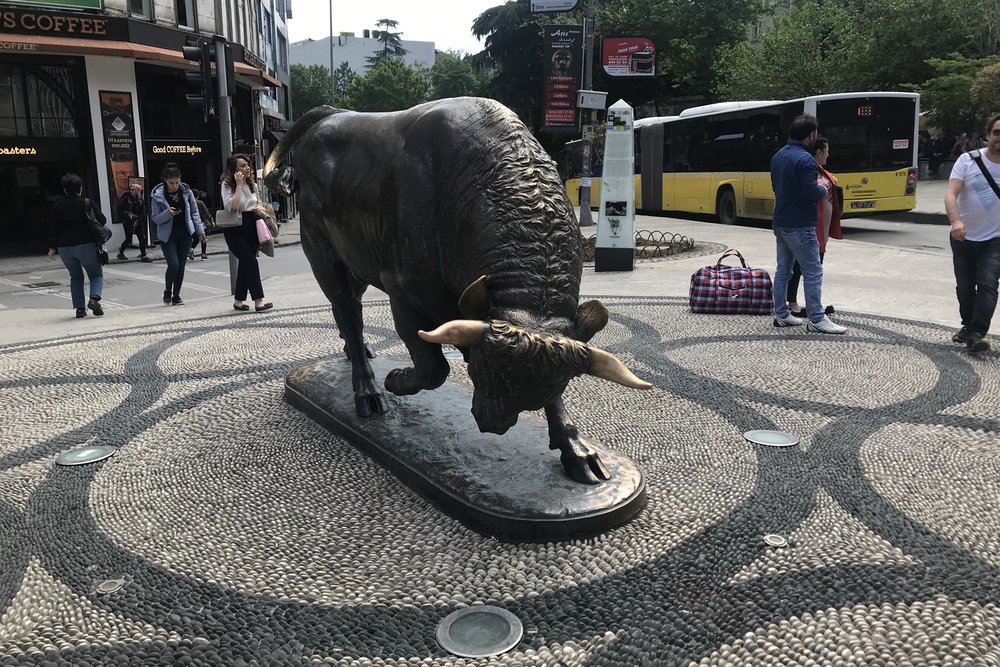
(175, 251)
(799, 245)
(77, 258)
(977, 269)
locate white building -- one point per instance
(355, 51)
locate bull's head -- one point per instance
(515, 368)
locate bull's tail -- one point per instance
(283, 179)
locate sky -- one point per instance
(447, 23)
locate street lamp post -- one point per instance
(586, 219)
(333, 80)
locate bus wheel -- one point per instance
(725, 206)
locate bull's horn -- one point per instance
(463, 333)
(607, 366)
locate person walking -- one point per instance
(71, 237)
(175, 213)
(239, 194)
(828, 211)
(132, 213)
(795, 180)
(971, 203)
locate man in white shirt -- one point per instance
(973, 208)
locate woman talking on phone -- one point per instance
(175, 212)
(239, 194)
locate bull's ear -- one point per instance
(474, 303)
(591, 317)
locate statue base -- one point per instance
(511, 486)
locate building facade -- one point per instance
(355, 51)
(99, 89)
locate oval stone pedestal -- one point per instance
(511, 486)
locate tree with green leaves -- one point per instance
(948, 97)
(392, 43)
(310, 87)
(342, 78)
(815, 48)
(389, 85)
(453, 76)
(986, 91)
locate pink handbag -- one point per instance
(264, 238)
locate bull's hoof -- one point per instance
(372, 404)
(368, 353)
(585, 469)
(403, 382)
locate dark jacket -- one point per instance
(131, 210)
(69, 224)
(794, 175)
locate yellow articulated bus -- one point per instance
(715, 159)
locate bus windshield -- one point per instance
(868, 133)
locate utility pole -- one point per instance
(333, 79)
(586, 219)
(223, 57)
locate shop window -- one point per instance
(36, 101)
(185, 12)
(142, 8)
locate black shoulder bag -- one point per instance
(100, 233)
(978, 157)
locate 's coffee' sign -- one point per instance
(81, 26)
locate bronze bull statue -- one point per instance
(453, 209)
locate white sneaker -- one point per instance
(826, 326)
(788, 320)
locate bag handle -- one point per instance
(978, 157)
(729, 253)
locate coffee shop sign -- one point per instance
(33, 22)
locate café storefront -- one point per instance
(99, 95)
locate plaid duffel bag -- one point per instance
(737, 290)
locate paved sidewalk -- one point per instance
(242, 533)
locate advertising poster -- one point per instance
(119, 140)
(629, 56)
(563, 67)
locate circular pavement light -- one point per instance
(771, 438)
(479, 632)
(78, 457)
(110, 586)
(776, 540)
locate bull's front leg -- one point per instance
(581, 461)
(344, 291)
(430, 369)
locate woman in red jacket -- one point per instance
(828, 210)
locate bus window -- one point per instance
(847, 124)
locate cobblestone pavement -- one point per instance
(246, 534)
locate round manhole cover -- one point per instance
(479, 632)
(771, 438)
(84, 455)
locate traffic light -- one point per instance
(205, 98)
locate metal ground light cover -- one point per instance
(479, 631)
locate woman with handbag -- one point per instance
(175, 212)
(239, 198)
(75, 220)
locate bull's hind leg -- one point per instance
(430, 369)
(344, 293)
(581, 462)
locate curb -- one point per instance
(159, 258)
(918, 217)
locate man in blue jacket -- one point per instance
(794, 178)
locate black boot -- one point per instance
(166, 296)
(95, 306)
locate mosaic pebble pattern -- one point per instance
(247, 535)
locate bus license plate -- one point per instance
(862, 204)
